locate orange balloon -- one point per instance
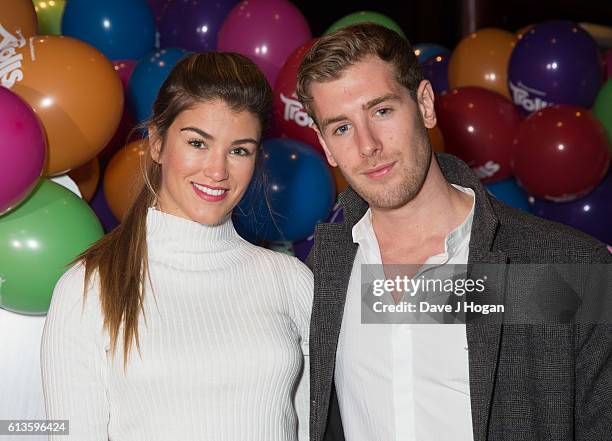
(339, 180)
(123, 177)
(481, 59)
(436, 139)
(17, 19)
(86, 178)
(76, 93)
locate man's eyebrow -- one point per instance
(208, 136)
(366, 106)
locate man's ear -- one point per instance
(155, 145)
(328, 154)
(425, 103)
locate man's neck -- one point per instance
(434, 212)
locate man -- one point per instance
(483, 380)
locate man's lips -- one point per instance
(379, 171)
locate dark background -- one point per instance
(446, 21)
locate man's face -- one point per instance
(371, 128)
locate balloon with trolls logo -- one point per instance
(73, 89)
(296, 194)
(22, 149)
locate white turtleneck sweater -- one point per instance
(221, 353)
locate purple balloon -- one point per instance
(608, 64)
(590, 214)
(100, 207)
(555, 62)
(301, 248)
(193, 25)
(22, 149)
(266, 31)
(158, 7)
(435, 69)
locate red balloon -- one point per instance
(478, 126)
(289, 115)
(561, 153)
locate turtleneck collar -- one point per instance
(186, 244)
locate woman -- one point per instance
(185, 330)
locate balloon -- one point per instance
(289, 113)
(18, 19)
(86, 178)
(556, 62)
(301, 248)
(561, 153)
(123, 177)
(508, 191)
(147, 78)
(100, 207)
(481, 59)
(436, 139)
(120, 29)
(425, 51)
(266, 31)
(22, 149)
(522, 31)
(608, 64)
(37, 240)
(300, 189)
(602, 109)
(193, 24)
(363, 17)
(478, 126)
(590, 214)
(49, 14)
(75, 92)
(125, 69)
(435, 69)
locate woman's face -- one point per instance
(207, 161)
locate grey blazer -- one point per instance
(527, 382)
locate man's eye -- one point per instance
(384, 112)
(341, 130)
(197, 143)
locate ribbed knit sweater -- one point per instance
(223, 349)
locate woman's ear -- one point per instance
(155, 145)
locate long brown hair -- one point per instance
(120, 257)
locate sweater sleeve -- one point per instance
(73, 361)
(303, 285)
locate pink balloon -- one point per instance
(266, 31)
(22, 149)
(124, 69)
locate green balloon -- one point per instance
(366, 16)
(37, 240)
(49, 14)
(602, 108)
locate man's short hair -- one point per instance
(332, 54)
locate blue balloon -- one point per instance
(428, 50)
(299, 188)
(147, 78)
(508, 191)
(435, 69)
(120, 29)
(590, 214)
(301, 248)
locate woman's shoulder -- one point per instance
(69, 290)
(284, 262)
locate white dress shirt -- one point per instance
(407, 382)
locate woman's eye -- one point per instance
(240, 151)
(197, 143)
(341, 130)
